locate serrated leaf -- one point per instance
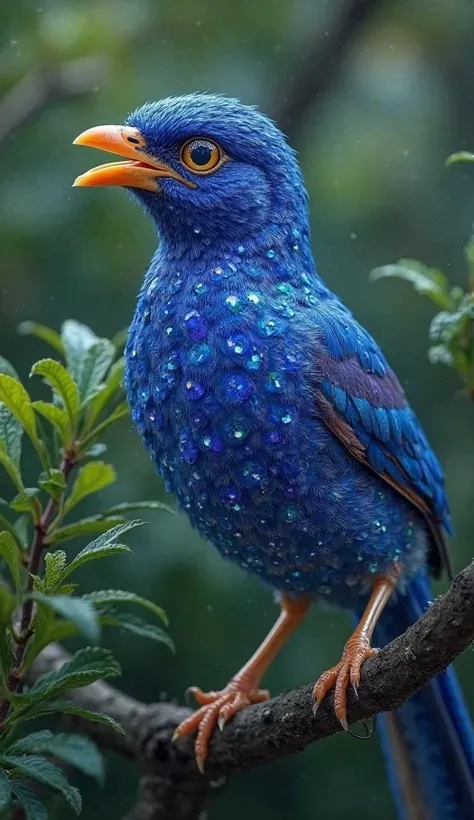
(108, 392)
(102, 546)
(29, 801)
(67, 708)
(55, 564)
(101, 597)
(85, 526)
(11, 433)
(86, 666)
(73, 749)
(77, 610)
(460, 156)
(42, 771)
(10, 553)
(16, 399)
(77, 339)
(93, 368)
(7, 604)
(56, 416)
(46, 334)
(53, 483)
(427, 281)
(127, 506)
(91, 478)
(10, 467)
(25, 500)
(5, 791)
(62, 384)
(132, 623)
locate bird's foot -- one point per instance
(347, 671)
(217, 708)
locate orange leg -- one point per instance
(356, 650)
(218, 707)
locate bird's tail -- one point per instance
(428, 743)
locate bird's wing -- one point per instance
(362, 402)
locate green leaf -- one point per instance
(460, 156)
(86, 666)
(102, 597)
(46, 334)
(9, 465)
(16, 399)
(427, 281)
(42, 771)
(101, 547)
(95, 450)
(76, 750)
(132, 623)
(439, 354)
(56, 416)
(29, 801)
(93, 368)
(26, 501)
(7, 367)
(66, 708)
(53, 483)
(6, 655)
(77, 610)
(5, 791)
(11, 433)
(22, 530)
(47, 630)
(127, 506)
(56, 375)
(120, 412)
(85, 526)
(76, 339)
(10, 553)
(108, 392)
(120, 338)
(91, 478)
(55, 564)
(7, 604)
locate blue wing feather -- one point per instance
(354, 377)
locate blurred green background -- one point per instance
(397, 100)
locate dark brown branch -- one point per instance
(41, 88)
(316, 68)
(171, 787)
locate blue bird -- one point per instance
(275, 419)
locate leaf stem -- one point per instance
(36, 552)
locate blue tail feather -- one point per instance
(428, 743)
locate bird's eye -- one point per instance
(201, 156)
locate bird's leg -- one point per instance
(218, 707)
(357, 648)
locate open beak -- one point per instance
(139, 170)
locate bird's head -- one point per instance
(203, 166)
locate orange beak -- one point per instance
(139, 170)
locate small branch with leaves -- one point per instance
(42, 605)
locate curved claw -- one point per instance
(345, 673)
(216, 709)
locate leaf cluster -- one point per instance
(39, 598)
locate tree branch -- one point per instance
(171, 787)
(317, 67)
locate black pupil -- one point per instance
(201, 154)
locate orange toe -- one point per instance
(216, 709)
(346, 672)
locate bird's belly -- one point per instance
(263, 479)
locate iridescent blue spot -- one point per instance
(271, 253)
(253, 298)
(270, 326)
(275, 383)
(194, 390)
(219, 273)
(285, 287)
(293, 362)
(212, 442)
(272, 437)
(238, 344)
(241, 249)
(287, 417)
(200, 353)
(254, 362)
(195, 325)
(236, 428)
(230, 496)
(290, 513)
(156, 419)
(144, 394)
(176, 285)
(200, 288)
(188, 452)
(234, 303)
(237, 387)
(252, 473)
